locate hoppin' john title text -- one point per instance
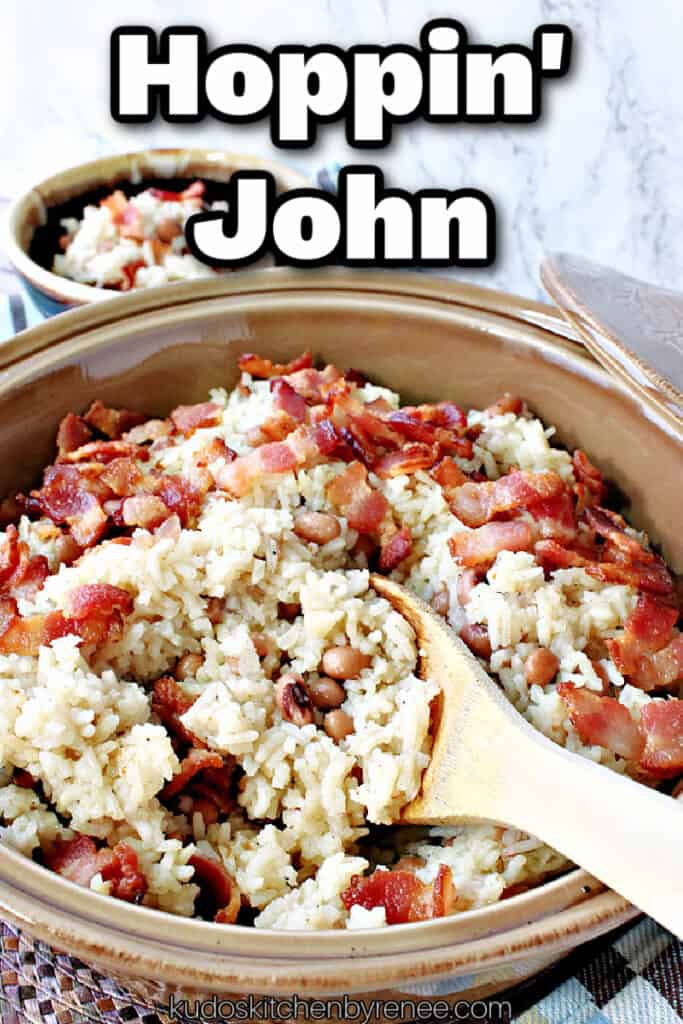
(445, 80)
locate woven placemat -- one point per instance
(633, 976)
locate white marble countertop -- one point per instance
(599, 175)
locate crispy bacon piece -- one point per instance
(602, 720)
(73, 433)
(180, 497)
(194, 191)
(122, 476)
(661, 724)
(555, 517)
(239, 476)
(590, 487)
(196, 761)
(129, 271)
(188, 418)
(150, 430)
(145, 510)
(104, 452)
(218, 889)
(364, 507)
(257, 366)
(97, 599)
(476, 504)
(478, 548)
(448, 474)
(506, 403)
(648, 629)
(287, 400)
(652, 576)
(404, 897)
(113, 423)
(21, 576)
(25, 636)
(79, 860)
(368, 512)
(117, 204)
(395, 550)
(408, 460)
(169, 703)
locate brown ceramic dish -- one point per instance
(428, 339)
(33, 228)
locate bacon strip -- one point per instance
(602, 720)
(79, 860)
(648, 630)
(188, 418)
(475, 504)
(73, 432)
(661, 723)
(113, 423)
(404, 897)
(196, 761)
(257, 366)
(219, 898)
(478, 548)
(368, 512)
(169, 703)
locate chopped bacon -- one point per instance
(25, 636)
(169, 703)
(278, 457)
(590, 487)
(257, 366)
(506, 403)
(79, 860)
(104, 452)
(644, 668)
(448, 474)
(129, 271)
(288, 400)
(476, 504)
(122, 476)
(123, 871)
(407, 460)
(145, 510)
(196, 761)
(21, 576)
(395, 550)
(188, 418)
(217, 888)
(180, 497)
(364, 507)
(652, 575)
(661, 724)
(194, 191)
(602, 720)
(475, 548)
(113, 423)
(555, 517)
(404, 897)
(151, 430)
(98, 598)
(73, 432)
(117, 204)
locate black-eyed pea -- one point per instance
(317, 527)
(338, 725)
(292, 699)
(344, 662)
(326, 693)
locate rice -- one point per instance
(305, 819)
(97, 251)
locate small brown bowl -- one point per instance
(431, 340)
(32, 229)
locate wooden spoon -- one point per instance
(488, 762)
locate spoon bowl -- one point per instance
(489, 763)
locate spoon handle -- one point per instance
(627, 835)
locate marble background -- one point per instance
(600, 174)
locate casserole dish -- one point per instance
(425, 338)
